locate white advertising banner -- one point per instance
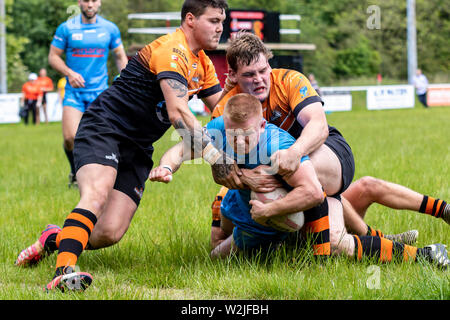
(336, 100)
(10, 105)
(54, 108)
(390, 97)
(9, 108)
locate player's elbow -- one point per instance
(317, 196)
(324, 131)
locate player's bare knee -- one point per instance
(369, 186)
(94, 197)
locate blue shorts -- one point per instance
(80, 100)
(246, 240)
(247, 234)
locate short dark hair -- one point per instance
(198, 7)
(244, 49)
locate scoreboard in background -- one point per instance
(266, 25)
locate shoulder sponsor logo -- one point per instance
(303, 91)
(58, 38)
(194, 66)
(180, 53)
(77, 36)
(173, 65)
(174, 57)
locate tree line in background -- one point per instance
(347, 46)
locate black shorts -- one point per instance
(97, 142)
(340, 147)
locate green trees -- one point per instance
(346, 44)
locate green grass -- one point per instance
(165, 253)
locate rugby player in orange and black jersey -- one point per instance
(134, 106)
(290, 92)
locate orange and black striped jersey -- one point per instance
(290, 92)
(170, 57)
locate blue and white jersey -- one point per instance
(87, 47)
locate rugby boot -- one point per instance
(38, 250)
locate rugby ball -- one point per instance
(287, 223)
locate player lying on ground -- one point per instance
(114, 142)
(253, 142)
(359, 196)
(290, 102)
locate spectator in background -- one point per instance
(46, 85)
(314, 83)
(31, 97)
(379, 79)
(420, 82)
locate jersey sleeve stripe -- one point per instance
(172, 75)
(305, 103)
(209, 91)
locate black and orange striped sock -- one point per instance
(374, 232)
(383, 250)
(433, 207)
(73, 238)
(318, 225)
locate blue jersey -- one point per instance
(87, 47)
(235, 206)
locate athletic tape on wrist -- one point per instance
(210, 154)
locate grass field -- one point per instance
(165, 253)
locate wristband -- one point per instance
(210, 154)
(166, 166)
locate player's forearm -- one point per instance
(313, 136)
(299, 199)
(57, 63)
(199, 142)
(175, 156)
(187, 125)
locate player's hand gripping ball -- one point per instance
(287, 223)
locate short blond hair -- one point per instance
(242, 107)
(245, 48)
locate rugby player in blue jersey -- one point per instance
(250, 141)
(86, 40)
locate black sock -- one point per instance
(50, 243)
(69, 154)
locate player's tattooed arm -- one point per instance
(179, 88)
(195, 137)
(224, 169)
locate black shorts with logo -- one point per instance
(119, 128)
(340, 147)
(96, 142)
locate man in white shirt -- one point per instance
(421, 84)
